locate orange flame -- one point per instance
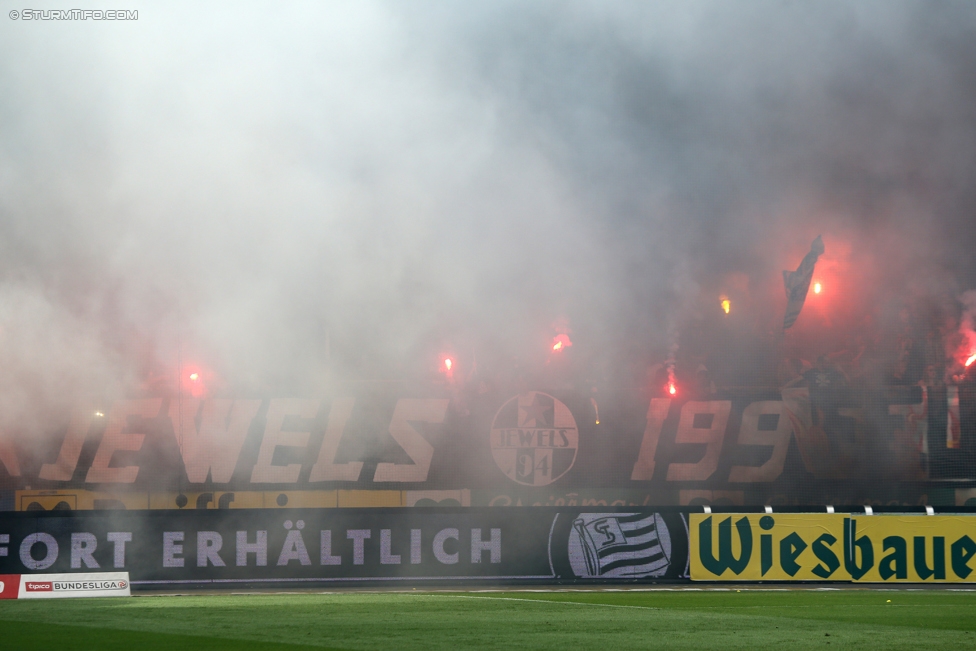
(726, 305)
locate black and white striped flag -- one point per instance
(623, 544)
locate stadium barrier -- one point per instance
(302, 547)
(263, 547)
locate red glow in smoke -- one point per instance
(561, 342)
(194, 381)
(447, 366)
(672, 389)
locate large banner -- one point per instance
(534, 448)
(308, 546)
(825, 547)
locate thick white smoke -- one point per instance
(296, 196)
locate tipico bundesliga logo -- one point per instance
(534, 439)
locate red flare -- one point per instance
(560, 342)
(671, 388)
(970, 360)
(446, 367)
(193, 381)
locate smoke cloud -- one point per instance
(296, 196)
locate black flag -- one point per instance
(798, 283)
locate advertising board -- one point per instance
(308, 546)
(825, 547)
(83, 584)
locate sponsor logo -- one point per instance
(818, 547)
(534, 439)
(88, 585)
(785, 547)
(81, 584)
(619, 545)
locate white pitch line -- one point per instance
(709, 608)
(540, 601)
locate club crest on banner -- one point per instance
(534, 439)
(619, 545)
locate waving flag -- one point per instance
(798, 283)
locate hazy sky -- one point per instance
(248, 181)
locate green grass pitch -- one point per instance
(750, 619)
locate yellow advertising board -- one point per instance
(827, 547)
(767, 547)
(913, 549)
